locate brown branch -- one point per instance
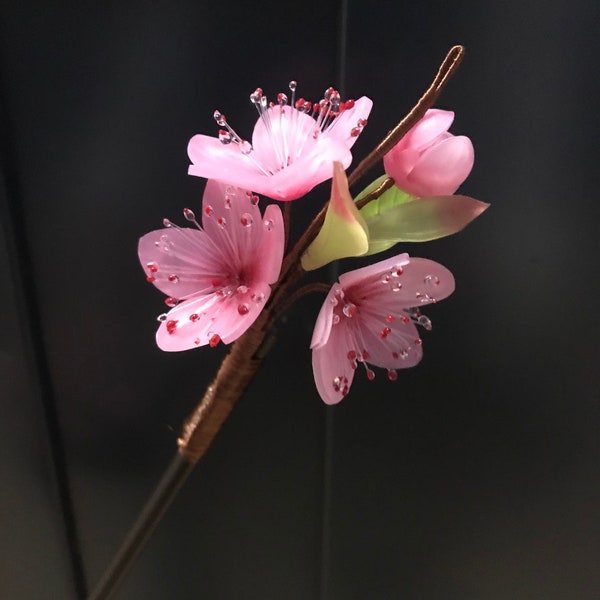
(385, 185)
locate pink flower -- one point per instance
(370, 316)
(216, 276)
(429, 161)
(291, 151)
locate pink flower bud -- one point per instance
(429, 161)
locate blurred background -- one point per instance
(475, 475)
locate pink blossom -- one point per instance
(370, 317)
(428, 160)
(216, 276)
(291, 151)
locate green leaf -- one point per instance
(390, 198)
(418, 220)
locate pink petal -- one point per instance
(331, 365)
(400, 348)
(342, 127)
(272, 245)
(324, 320)
(177, 260)
(308, 171)
(442, 168)
(206, 319)
(399, 162)
(431, 126)
(232, 324)
(372, 272)
(286, 135)
(225, 162)
(232, 221)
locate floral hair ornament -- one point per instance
(226, 280)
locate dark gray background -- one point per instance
(475, 475)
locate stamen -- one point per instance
(191, 217)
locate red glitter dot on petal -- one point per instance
(351, 355)
(194, 317)
(171, 326)
(214, 340)
(150, 279)
(390, 318)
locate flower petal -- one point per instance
(207, 319)
(399, 162)
(324, 319)
(332, 370)
(224, 162)
(343, 233)
(372, 273)
(342, 127)
(272, 245)
(178, 261)
(281, 137)
(305, 173)
(442, 168)
(435, 122)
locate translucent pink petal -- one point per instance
(225, 162)
(442, 168)
(373, 272)
(272, 245)
(209, 318)
(342, 127)
(231, 218)
(429, 128)
(187, 325)
(324, 320)
(393, 290)
(305, 173)
(332, 370)
(282, 137)
(179, 262)
(390, 345)
(399, 162)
